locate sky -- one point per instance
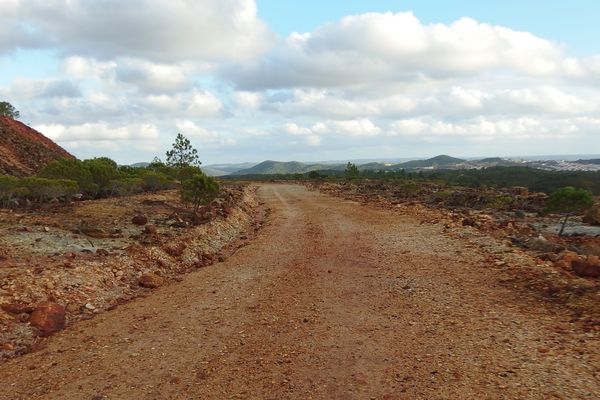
(249, 80)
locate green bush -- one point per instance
(200, 189)
(154, 181)
(35, 189)
(103, 170)
(126, 186)
(74, 170)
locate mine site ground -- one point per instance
(334, 298)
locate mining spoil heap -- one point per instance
(25, 151)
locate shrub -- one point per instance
(103, 170)
(126, 186)
(200, 189)
(154, 181)
(74, 170)
(36, 189)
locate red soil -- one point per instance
(25, 151)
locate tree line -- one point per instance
(101, 177)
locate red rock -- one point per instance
(588, 268)
(17, 308)
(151, 281)
(150, 229)
(48, 317)
(7, 346)
(139, 220)
(175, 250)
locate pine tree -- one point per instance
(183, 154)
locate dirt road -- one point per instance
(333, 300)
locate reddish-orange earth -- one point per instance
(25, 151)
(332, 300)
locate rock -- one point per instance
(151, 281)
(48, 317)
(139, 219)
(543, 349)
(468, 222)
(150, 229)
(102, 252)
(592, 216)
(175, 250)
(587, 268)
(17, 308)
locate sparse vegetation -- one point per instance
(569, 201)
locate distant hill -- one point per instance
(440, 161)
(491, 160)
(280, 167)
(595, 161)
(225, 169)
(25, 151)
(140, 165)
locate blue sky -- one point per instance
(574, 23)
(311, 80)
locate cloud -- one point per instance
(196, 103)
(99, 131)
(152, 77)
(209, 30)
(248, 100)
(194, 131)
(484, 128)
(27, 89)
(347, 128)
(380, 48)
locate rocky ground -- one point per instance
(334, 299)
(63, 263)
(560, 269)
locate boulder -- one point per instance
(48, 317)
(151, 281)
(139, 219)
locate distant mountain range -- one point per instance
(438, 162)
(443, 161)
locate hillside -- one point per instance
(25, 151)
(279, 167)
(437, 162)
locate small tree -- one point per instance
(200, 189)
(7, 110)
(569, 201)
(351, 171)
(182, 154)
